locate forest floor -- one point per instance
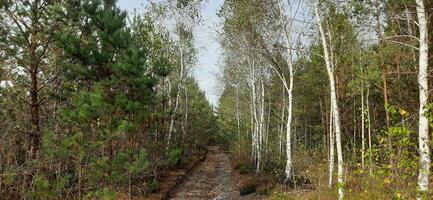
(212, 179)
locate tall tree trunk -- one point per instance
(423, 139)
(289, 90)
(238, 117)
(252, 127)
(261, 122)
(385, 93)
(289, 162)
(331, 147)
(176, 107)
(256, 129)
(185, 125)
(268, 124)
(283, 119)
(370, 153)
(334, 104)
(362, 127)
(355, 127)
(35, 134)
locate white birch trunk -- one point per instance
(355, 124)
(362, 127)
(252, 128)
(334, 104)
(238, 117)
(296, 122)
(268, 124)
(170, 129)
(283, 119)
(289, 162)
(176, 107)
(185, 125)
(261, 123)
(289, 89)
(169, 92)
(370, 155)
(255, 117)
(423, 139)
(331, 148)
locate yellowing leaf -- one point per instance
(398, 195)
(403, 112)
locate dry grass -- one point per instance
(359, 187)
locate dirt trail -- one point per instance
(210, 180)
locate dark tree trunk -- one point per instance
(35, 136)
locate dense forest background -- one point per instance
(93, 101)
(327, 99)
(278, 107)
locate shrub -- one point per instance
(153, 187)
(174, 156)
(249, 186)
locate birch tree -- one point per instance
(370, 153)
(423, 125)
(362, 124)
(331, 148)
(289, 90)
(334, 104)
(185, 16)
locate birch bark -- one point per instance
(370, 155)
(289, 90)
(334, 104)
(238, 117)
(423, 138)
(176, 107)
(331, 148)
(362, 125)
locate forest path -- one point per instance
(212, 179)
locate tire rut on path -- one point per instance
(212, 179)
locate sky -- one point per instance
(209, 50)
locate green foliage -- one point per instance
(153, 186)
(429, 113)
(174, 156)
(205, 125)
(105, 194)
(105, 92)
(397, 147)
(140, 163)
(42, 188)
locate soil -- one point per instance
(213, 179)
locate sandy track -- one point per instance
(210, 180)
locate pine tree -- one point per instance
(26, 33)
(111, 75)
